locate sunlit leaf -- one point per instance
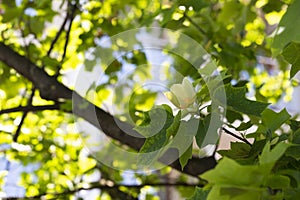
(236, 100)
(291, 54)
(286, 31)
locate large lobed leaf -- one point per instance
(236, 101)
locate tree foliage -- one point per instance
(88, 98)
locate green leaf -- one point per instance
(244, 126)
(291, 53)
(277, 181)
(296, 137)
(294, 152)
(37, 26)
(11, 13)
(207, 132)
(292, 193)
(269, 157)
(235, 193)
(294, 174)
(183, 159)
(230, 12)
(287, 31)
(66, 106)
(183, 140)
(231, 116)
(172, 130)
(272, 120)
(156, 135)
(199, 194)
(201, 133)
(113, 67)
(159, 120)
(51, 62)
(223, 174)
(230, 180)
(238, 150)
(295, 125)
(236, 101)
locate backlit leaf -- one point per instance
(236, 100)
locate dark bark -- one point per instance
(51, 89)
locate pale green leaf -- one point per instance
(287, 30)
(270, 157)
(291, 53)
(223, 174)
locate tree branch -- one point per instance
(51, 89)
(29, 103)
(30, 108)
(236, 136)
(58, 34)
(71, 17)
(97, 185)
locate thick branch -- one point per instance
(51, 89)
(107, 188)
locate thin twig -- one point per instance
(29, 102)
(194, 24)
(58, 34)
(236, 136)
(71, 17)
(30, 108)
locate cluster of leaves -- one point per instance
(235, 33)
(268, 168)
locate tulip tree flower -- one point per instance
(182, 95)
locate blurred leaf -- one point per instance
(278, 182)
(11, 13)
(269, 157)
(199, 194)
(291, 53)
(238, 150)
(286, 31)
(294, 152)
(113, 67)
(197, 5)
(244, 126)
